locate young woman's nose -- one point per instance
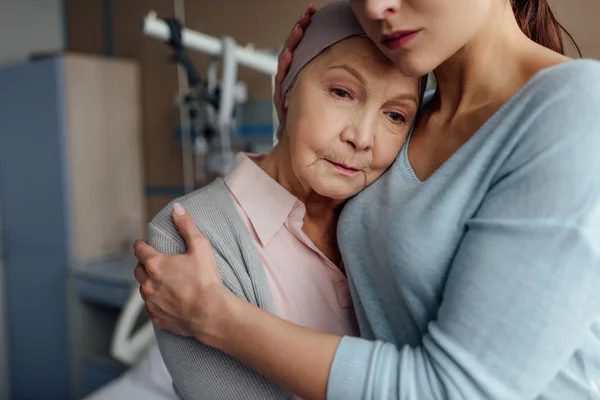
(381, 9)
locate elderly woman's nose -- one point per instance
(360, 136)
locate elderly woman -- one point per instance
(272, 220)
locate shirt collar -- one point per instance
(265, 202)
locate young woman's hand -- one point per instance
(285, 57)
(183, 292)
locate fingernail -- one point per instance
(178, 208)
(285, 52)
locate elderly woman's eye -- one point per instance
(340, 92)
(396, 117)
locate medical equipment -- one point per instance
(247, 56)
(210, 105)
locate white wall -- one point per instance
(29, 26)
(25, 26)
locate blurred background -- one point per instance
(100, 128)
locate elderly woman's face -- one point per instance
(348, 116)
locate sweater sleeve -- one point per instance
(200, 371)
(523, 288)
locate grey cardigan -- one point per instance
(199, 371)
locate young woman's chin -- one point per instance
(412, 64)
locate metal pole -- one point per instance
(187, 150)
(227, 103)
(259, 61)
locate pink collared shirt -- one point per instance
(306, 287)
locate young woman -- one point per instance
(273, 218)
(474, 262)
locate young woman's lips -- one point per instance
(345, 169)
(398, 39)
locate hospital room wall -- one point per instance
(113, 28)
(25, 26)
(581, 19)
(30, 26)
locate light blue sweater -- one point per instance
(483, 282)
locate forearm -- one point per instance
(297, 358)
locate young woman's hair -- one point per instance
(538, 22)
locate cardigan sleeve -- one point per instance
(199, 371)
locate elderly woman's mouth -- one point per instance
(345, 169)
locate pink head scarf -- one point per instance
(332, 23)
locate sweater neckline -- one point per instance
(405, 167)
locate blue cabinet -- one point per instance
(70, 193)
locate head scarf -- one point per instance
(331, 24)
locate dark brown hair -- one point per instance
(538, 22)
